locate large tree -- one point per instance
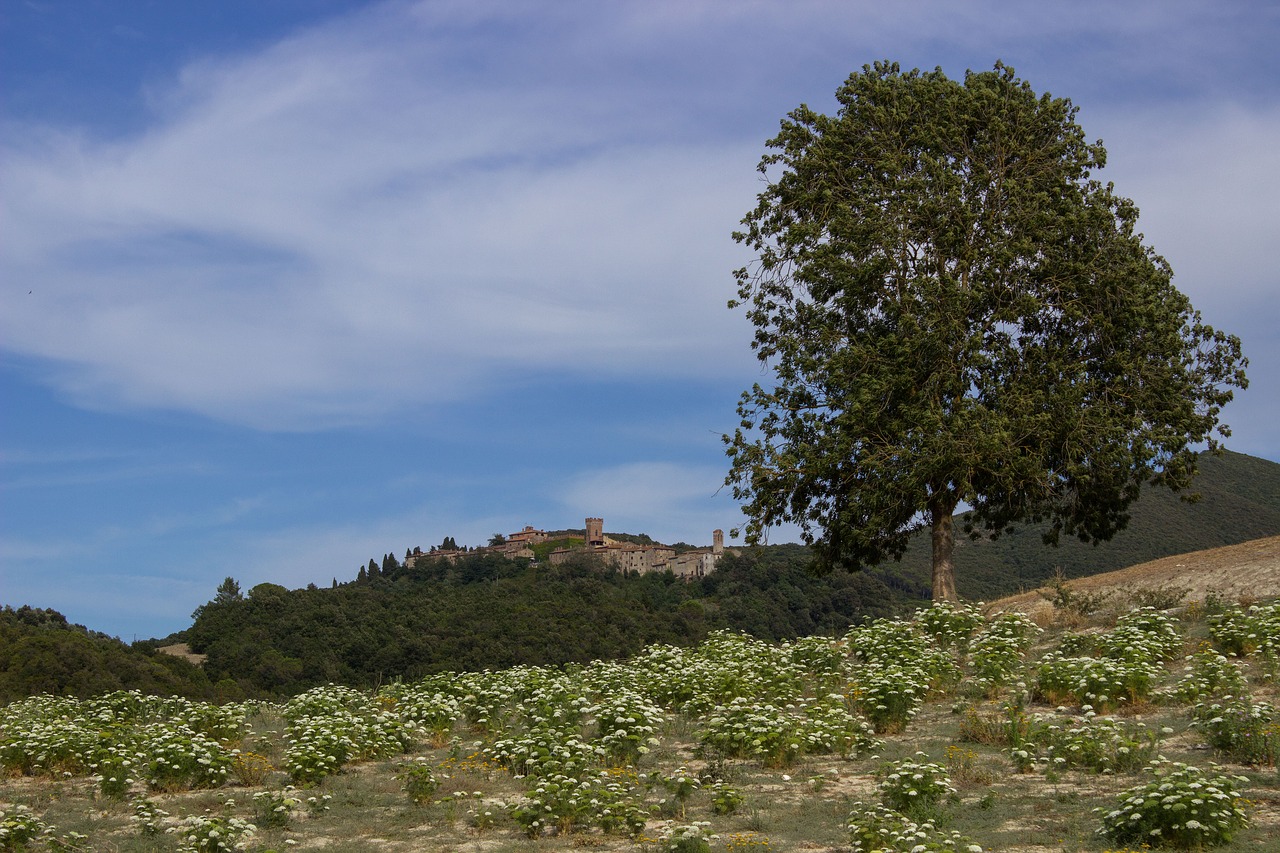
(956, 311)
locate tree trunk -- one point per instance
(944, 542)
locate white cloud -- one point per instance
(342, 225)
(418, 202)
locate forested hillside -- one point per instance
(485, 611)
(40, 652)
(1240, 500)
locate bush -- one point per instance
(1182, 807)
(1242, 730)
(876, 829)
(1099, 745)
(1209, 673)
(1103, 683)
(214, 834)
(19, 827)
(275, 808)
(949, 624)
(419, 782)
(911, 784)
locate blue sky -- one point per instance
(289, 284)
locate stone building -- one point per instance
(642, 559)
(624, 556)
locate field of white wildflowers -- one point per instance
(947, 730)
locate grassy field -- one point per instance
(735, 745)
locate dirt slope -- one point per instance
(1244, 572)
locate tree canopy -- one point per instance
(956, 311)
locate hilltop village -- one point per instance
(630, 557)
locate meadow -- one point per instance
(1118, 723)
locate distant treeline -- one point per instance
(487, 611)
(484, 610)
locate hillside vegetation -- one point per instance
(40, 652)
(947, 730)
(1239, 501)
(488, 612)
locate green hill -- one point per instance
(1239, 501)
(485, 611)
(40, 652)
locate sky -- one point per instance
(289, 284)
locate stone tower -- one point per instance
(717, 542)
(595, 531)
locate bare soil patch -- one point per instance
(1244, 573)
(182, 650)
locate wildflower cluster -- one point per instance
(949, 624)
(275, 808)
(725, 799)
(1242, 633)
(777, 736)
(175, 757)
(1143, 635)
(995, 655)
(431, 704)
(914, 783)
(626, 725)
(563, 803)
(1209, 673)
(220, 834)
(1089, 743)
(123, 737)
(19, 826)
(148, 817)
(420, 783)
(1103, 683)
(877, 829)
(895, 666)
(1181, 807)
(1241, 729)
(693, 837)
(329, 726)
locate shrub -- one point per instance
(1144, 636)
(1096, 744)
(686, 838)
(1240, 729)
(1209, 673)
(1075, 603)
(274, 808)
(1181, 807)
(563, 803)
(19, 827)
(148, 817)
(418, 780)
(949, 624)
(913, 784)
(214, 834)
(1163, 597)
(747, 729)
(1103, 683)
(626, 725)
(1234, 632)
(889, 694)
(724, 799)
(249, 768)
(876, 829)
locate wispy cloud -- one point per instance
(419, 202)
